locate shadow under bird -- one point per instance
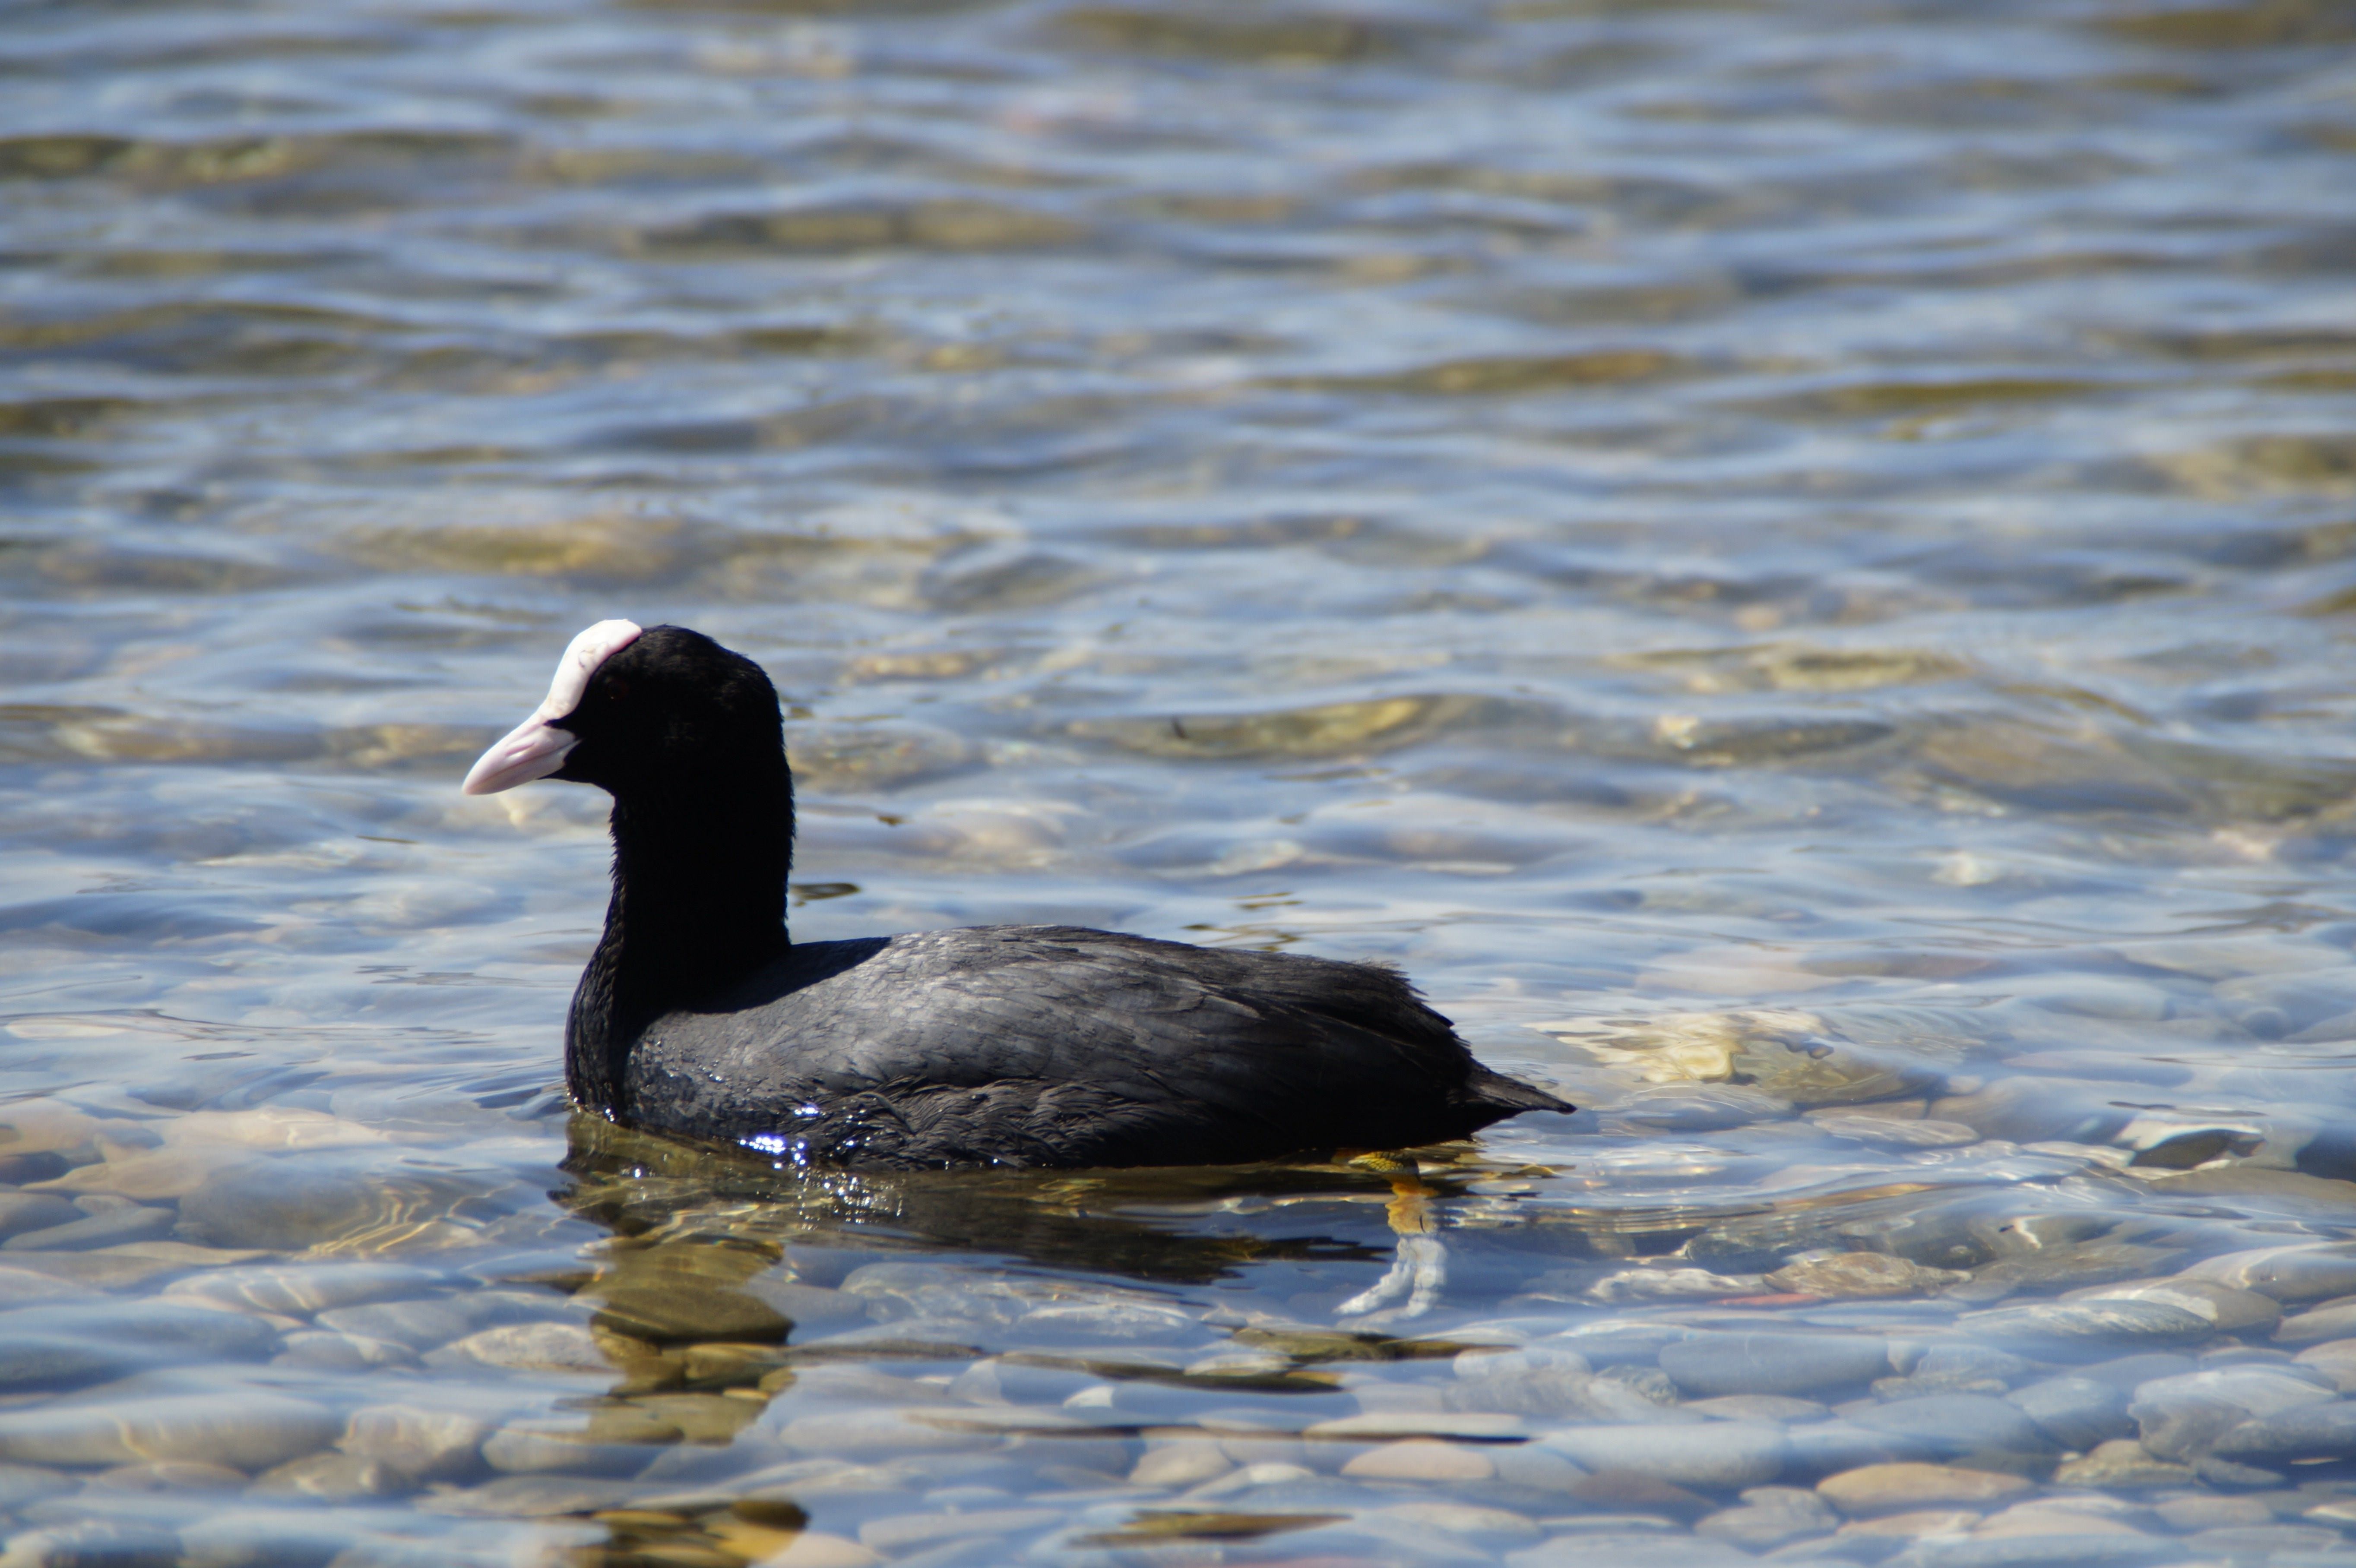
(1004, 1045)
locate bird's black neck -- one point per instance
(699, 903)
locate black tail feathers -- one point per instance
(1510, 1096)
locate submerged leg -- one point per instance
(1419, 1268)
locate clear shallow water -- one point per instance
(1792, 564)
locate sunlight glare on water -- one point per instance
(1793, 563)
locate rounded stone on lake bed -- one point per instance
(821, 1550)
(698, 1418)
(170, 1476)
(2267, 1185)
(2133, 1371)
(2073, 1323)
(1626, 1547)
(123, 1267)
(299, 1289)
(332, 1478)
(1644, 1284)
(1249, 1477)
(1773, 1363)
(22, 1211)
(669, 1314)
(423, 1444)
(1239, 1362)
(526, 1449)
(1820, 1448)
(816, 1549)
(1376, 1426)
(1185, 1463)
(2227, 1475)
(1862, 1275)
(1912, 1524)
(116, 1543)
(27, 1286)
(1538, 1380)
(721, 1362)
(1625, 1492)
(2054, 1516)
(2122, 1465)
(626, 1423)
(2334, 1358)
(133, 1223)
(1495, 1525)
(1959, 1423)
(1717, 1456)
(2306, 1432)
(1757, 1407)
(2184, 1429)
(1538, 1470)
(528, 1346)
(49, 1362)
(1274, 1448)
(325, 1348)
(2203, 1512)
(1117, 1320)
(2035, 1110)
(1421, 1459)
(1624, 1393)
(1965, 1357)
(2259, 1389)
(250, 1430)
(1762, 1527)
(1919, 1384)
(2228, 1308)
(2334, 1320)
(2076, 1413)
(2278, 1543)
(1873, 1489)
(424, 1322)
(287, 1205)
(2286, 1274)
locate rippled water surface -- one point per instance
(1794, 563)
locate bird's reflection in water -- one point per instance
(814, 1349)
(742, 1217)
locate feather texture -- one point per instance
(1047, 1045)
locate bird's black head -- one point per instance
(643, 714)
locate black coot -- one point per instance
(1009, 1045)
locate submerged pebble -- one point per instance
(2075, 1413)
(2286, 1274)
(2067, 1327)
(300, 1289)
(1767, 1363)
(1723, 1455)
(1857, 1274)
(252, 1432)
(423, 1445)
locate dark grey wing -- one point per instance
(1057, 1046)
